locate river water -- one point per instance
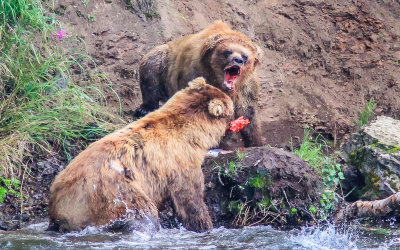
(259, 237)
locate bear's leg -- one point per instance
(152, 70)
(134, 209)
(251, 133)
(145, 223)
(188, 199)
(150, 95)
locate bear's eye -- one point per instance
(227, 53)
(244, 57)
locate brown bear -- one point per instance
(124, 177)
(227, 60)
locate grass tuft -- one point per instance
(42, 108)
(314, 153)
(311, 151)
(366, 113)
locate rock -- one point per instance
(353, 180)
(261, 185)
(375, 152)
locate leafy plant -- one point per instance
(331, 176)
(235, 207)
(312, 209)
(240, 155)
(331, 173)
(232, 166)
(8, 186)
(91, 18)
(257, 181)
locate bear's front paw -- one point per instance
(201, 225)
(199, 222)
(140, 112)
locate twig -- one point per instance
(312, 216)
(278, 215)
(256, 163)
(391, 189)
(349, 193)
(21, 193)
(300, 179)
(335, 136)
(266, 214)
(219, 178)
(290, 205)
(341, 190)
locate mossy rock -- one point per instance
(375, 152)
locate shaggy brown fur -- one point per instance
(126, 175)
(227, 60)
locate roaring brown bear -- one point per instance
(227, 60)
(124, 177)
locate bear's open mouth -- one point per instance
(232, 72)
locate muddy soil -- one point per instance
(322, 60)
(36, 192)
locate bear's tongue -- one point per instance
(231, 73)
(229, 81)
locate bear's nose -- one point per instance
(238, 60)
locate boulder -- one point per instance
(260, 185)
(374, 153)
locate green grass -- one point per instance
(42, 109)
(311, 151)
(366, 113)
(314, 153)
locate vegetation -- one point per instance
(313, 151)
(143, 6)
(91, 18)
(366, 113)
(331, 176)
(233, 166)
(42, 108)
(249, 203)
(9, 186)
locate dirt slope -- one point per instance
(322, 59)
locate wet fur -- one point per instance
(167, 69)
(126, 175)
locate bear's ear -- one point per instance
(209, 45)
(259, 55)
(216, 107)
(197, 83)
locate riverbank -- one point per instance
(322, 63)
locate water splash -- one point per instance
(326, 237)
